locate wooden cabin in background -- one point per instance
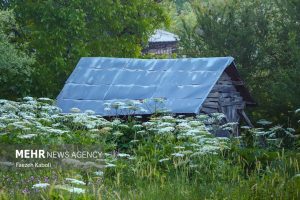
(162, 43)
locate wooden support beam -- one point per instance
(245, 117)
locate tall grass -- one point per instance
(165, 158)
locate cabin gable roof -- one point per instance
(183, 83)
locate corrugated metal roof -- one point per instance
(183, 83)
(163, 36)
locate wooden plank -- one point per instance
(211, 104)
(230, 82)
(226, 82)
(238, 98)
(224, 77)
(223, 88)
(226, 99)
(231, 99)
(212, 99)
(230, 94)
(232, 103)
(213, 94)
(209, 110)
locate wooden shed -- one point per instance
(229, 96)
(189, 85)
(162, 43)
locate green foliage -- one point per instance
(15, 63)
(180, 11)
(61, 32)
(262, 37)
(165, 157)
(275, 137)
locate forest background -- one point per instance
(41, 42)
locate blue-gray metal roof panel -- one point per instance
(183, 83)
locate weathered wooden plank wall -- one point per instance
(224, 98)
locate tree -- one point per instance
(179, 11)
(262, 37)
(15, 63)
(61, 32)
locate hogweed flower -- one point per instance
(70, 189)
(7, 164)
(179, 147)
(164, 159)
(123, 155)
(75, 181)
(166, 130)
(264, 122)
(99, 173)
(75, 110)
(28, 99)
(27, 136)
(178, 155)
(110, 165)
(89, 112)
(40, 185)
(107, 109)
(134, 141)
(77, 190)
(118, 133)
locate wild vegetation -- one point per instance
(261, 36)
(59, 33)
(167, 156)
(50, 37)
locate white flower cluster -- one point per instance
(75, 181)
(70, 189)
(30, 118)
(34, 119)
(194, 130)
(128, 107)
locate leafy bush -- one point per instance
(15, 63)
(262, 37)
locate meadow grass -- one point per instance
(166, 157)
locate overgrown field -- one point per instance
(166, 157)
